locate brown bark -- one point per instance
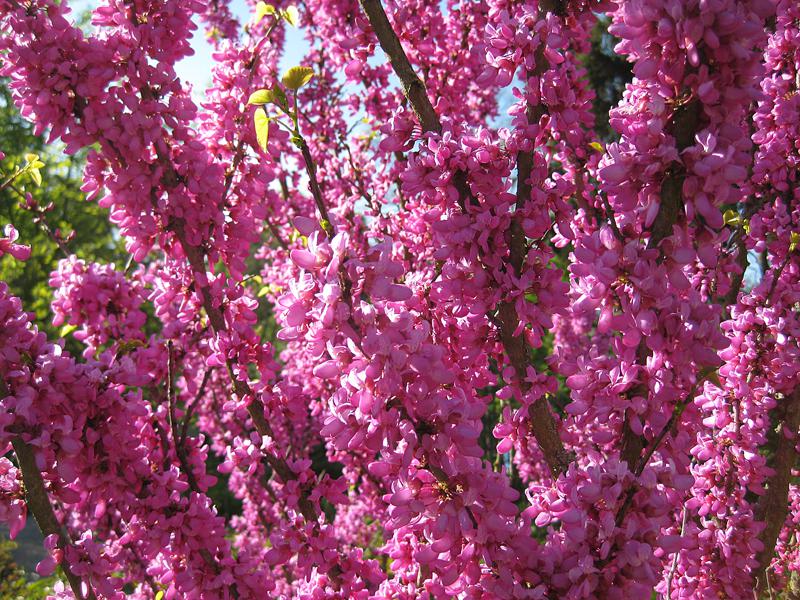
(774, 505)
(38, 503)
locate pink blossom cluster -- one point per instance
(502, 358)
(98, 299)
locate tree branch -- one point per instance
(316, 191)
(413, 88)
(197, 261)
(682, 127)
(39, 504)
(190, 409)
(543, 424)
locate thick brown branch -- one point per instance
(543, 425)
(774, 505)
(683, 126)
(39, 504)
(413, 87)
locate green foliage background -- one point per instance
(14, 582)
(61, 182)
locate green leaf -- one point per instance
(279, 98)
(730, 217)
(32, 167)
(291, 15)
(262, 127)
(261, 97)
(596, 146)
(66, 330)
(263, 9)
(35, 175)
(794, 240)
(297, 77)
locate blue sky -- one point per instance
(196, 69)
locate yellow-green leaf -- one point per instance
(730, 217)
(32, 167)
(128, 346)
(794, 240)
(596, 146)
(261, 97)
(297, 77)
(159, 595)
(66, 330)
(263, 9)
(263, 291)
(291, 15)
(279, 98)
(262, 127)
(35, 175)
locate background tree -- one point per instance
(83, 225)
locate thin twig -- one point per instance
(316, 191)
(612, 220)
(239, 152)
(644, 460)
(40, 220)
(777, 277)
(192, 405)
(275, 233)
(183, 459)
(674, 565)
